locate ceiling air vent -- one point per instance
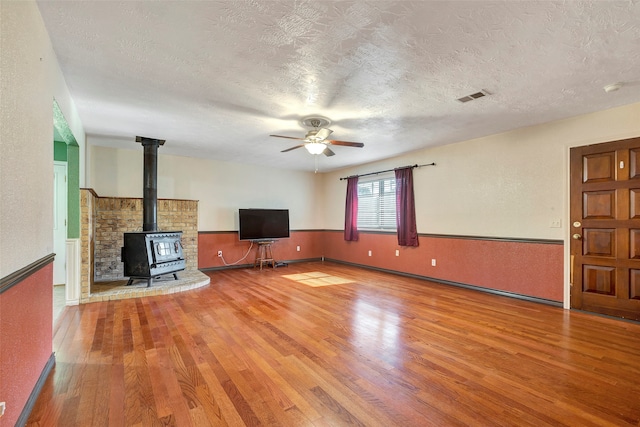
(473, 96)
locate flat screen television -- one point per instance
(263, 224)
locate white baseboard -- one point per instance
(72, 290)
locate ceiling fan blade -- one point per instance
(288, 137)
(344, 143)
(292, 148)
(327, 152)
(323, 133)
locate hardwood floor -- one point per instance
(373, 349)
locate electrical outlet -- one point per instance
(3, 405)
(556, 223)
(397, 252)
(220, 254)
(369, 253)
(298, 248)
(433, 262)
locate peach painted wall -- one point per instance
(525, 268)
(532, 269)
(209, 243)
(25, 339)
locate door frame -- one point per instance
(566, 228)
(66, 209)
(566, 203)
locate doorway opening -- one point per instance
(66, 210)
(59, 235)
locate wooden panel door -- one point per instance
(605, 228)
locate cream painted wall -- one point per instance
(512, 184)
(222, 188)
(29, 81)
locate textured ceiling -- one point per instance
(215, 78)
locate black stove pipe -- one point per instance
(150, 178)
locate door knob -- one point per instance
(576, 236)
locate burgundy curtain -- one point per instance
(406, 208)
(351, 210)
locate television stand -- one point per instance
(264, 254)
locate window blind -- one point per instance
(377, 204)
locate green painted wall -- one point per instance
(66, 142)
(59, 151)
(73, 192)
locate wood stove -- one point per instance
(151, 253)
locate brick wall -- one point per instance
(114, 216)
(87, 235)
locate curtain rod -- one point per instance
(388, 170)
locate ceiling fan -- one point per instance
(315, 141)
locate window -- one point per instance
(377, 204)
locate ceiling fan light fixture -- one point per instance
(315, 147)
(315, 141)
